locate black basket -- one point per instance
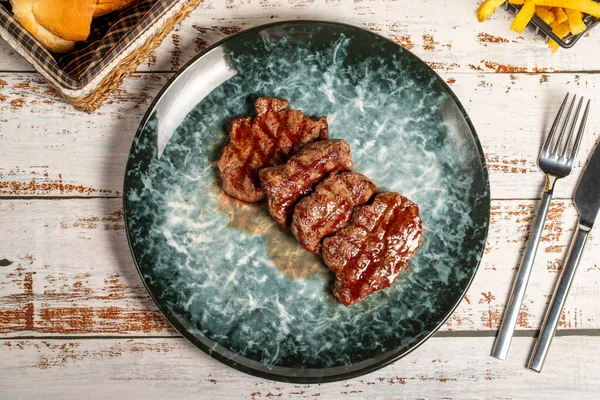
(543, 29)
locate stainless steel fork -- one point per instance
(556, 161)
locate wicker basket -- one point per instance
(118, 43)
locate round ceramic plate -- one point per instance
(242, 289)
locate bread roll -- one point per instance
(107, 6)
(23, 10)
(58, 24)
(69, 19)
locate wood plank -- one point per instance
(48, 148)
(71, 272)
(65, 269)
(447, 35)
(173, 368)
(40, 155)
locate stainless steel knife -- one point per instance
(587, 202)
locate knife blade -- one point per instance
(587, 196)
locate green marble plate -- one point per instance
(243, 290)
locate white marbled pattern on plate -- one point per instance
(231, 279)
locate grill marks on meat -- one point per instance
(366, 246)
(238, 162)
(370, 253)
(329, 208)
(266, 141)
(285, 184)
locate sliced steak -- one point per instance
(267, 140)
(329, 208)
(285, 184)
(370, 253)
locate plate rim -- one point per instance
(274, 376)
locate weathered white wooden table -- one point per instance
(76, 321)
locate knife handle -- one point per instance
(559, 298)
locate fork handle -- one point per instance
(511, 314)
(558, 300)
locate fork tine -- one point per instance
(563, 153)
(580, 133)
(554, 126)
(564, 126)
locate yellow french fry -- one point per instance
(587, 6)
(576, 24)
(546, 15)
(487, 8)
(553, 45)
(560, 30)
(523, 16)
(563, 16)
(560, 15)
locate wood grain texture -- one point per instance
(74, 311)
(445, 368)
(65, 269)
(445, 34)
(67, 277)
(49, 149)
(57, 143)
